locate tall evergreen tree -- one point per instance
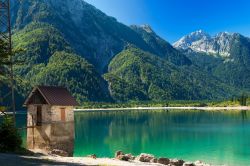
(4, 56)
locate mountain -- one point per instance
(160, 46)
(91, 33)
(189, 40)
(73, 44)
(71, 71)
(51, 61)
(45, 27)
(138, 75)
(225, 55)
(200, 41)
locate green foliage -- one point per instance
(4, 60)
(233, 70)
(158, 80)
(51, 61)
(160, 47)
(122, 90)
(72, 49)
(10, 140)
(75, 73)
(243, 99)
(236, 69)
(2, 109)
(172, 103)
(5, 63)
(91, 33)
(4, 55)
(40, 41)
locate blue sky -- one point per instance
(172, 19)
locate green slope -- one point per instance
(48, 59)
(138, 75)
(91, 33)
(75, 73)
(236, 69)
(161, 47)
(71, 43)
(39, 41)
(233, 70)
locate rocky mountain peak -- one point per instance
(144, 27)
(147, 28)
(186, 41)
(200, 41)
(222, 34)
(199, 33)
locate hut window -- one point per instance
(63, 115)
(39, 115)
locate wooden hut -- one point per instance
(50, 119)
(47, 104)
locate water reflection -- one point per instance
(244, 115)
(220, 137)
(52, 136)
(217, 136)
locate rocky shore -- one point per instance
(149, 158)
(120, 159)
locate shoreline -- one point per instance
(232, 108)
(239, 108)
(45, 159)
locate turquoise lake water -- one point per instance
(216, 137)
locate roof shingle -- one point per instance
(55, 96)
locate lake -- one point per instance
(216, 137)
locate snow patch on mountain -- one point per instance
(200, 41)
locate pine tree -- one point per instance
(4, 57)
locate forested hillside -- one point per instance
(225, 56)
(138, 75)
(71, 43)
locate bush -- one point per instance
(202, 105)
(10, 139)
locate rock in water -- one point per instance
(93, 156)
(123, 157)
(143, 157)
(118, 153)
(164, 161)
(176, 162)
(130, 156)
(200, 163)
(153, 160)
(188, 164)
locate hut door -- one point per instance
(39, 115)
(63, 118)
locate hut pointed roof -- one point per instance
(53, 96)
